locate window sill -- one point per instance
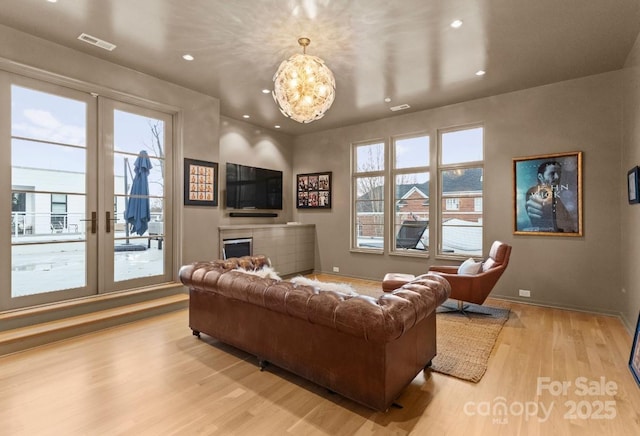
(415, 254)
(459, 257)
(366, 251)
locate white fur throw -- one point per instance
(342, 288)
(266, 272)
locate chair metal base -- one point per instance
(462, 309)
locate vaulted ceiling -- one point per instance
(404, 51)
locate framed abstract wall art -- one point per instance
(200, 183)
(313, 191)
(632, 185)
(634, 360)
(547, 192)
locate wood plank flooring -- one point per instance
(152, 377)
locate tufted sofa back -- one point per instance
(375, 319)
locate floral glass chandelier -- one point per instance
(304, 87)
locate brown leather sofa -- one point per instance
(363, 348)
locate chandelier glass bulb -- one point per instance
(304, 87)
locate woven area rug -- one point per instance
(465, 341)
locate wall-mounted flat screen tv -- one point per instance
(253, 188)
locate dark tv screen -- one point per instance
(253, 188)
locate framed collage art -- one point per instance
(200, 183)
(313, 191)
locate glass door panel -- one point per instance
(141, 139)
(39, 268)
(51, 250)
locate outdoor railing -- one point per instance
(33, 223)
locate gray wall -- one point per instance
(630, 214)
(578, 115)
(246, 144)
(200, 118)
(204, 135)
(586, 114)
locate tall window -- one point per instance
(410, 176)
(461, 182)
(368, 185)
(457, 224)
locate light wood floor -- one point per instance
(153, 377)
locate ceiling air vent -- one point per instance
(400, 107)
(96, 41)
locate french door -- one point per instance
(70, 161)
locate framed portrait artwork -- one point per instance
(313, 191)
(548, 194)
(634, 360)
(200, 183)
(632, 185)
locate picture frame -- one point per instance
(313, 190)
(200, 183)
(632, 185)
(634, 358)
(547, 194)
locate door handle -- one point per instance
(109, 220)
(94, 222)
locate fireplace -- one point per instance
(237, 247)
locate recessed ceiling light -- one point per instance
(387, 100)
(187, 57)
(481, 73)
(277, 126)
(266, 91)
(246, 116)
(456, 24)
(52, 1)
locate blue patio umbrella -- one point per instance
(138, 213)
